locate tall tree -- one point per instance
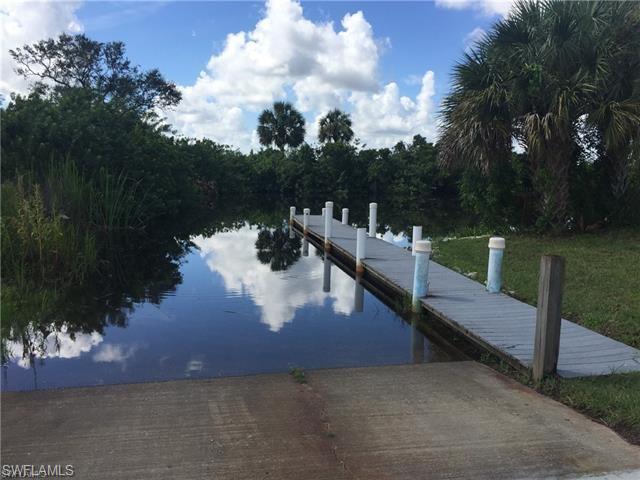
(535, 78)
(102, 69)
(335, 127)
(282, 126)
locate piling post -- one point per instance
(305, 247)
(494, 268)
(417, 235)
(549, 316)
(420, 273)
(292, 213)
(358, 303)
(361, 239)
(326, 275)
(373, 219)
(328, 224)
(345, 216)
(305, 220)
(417, 342)
(324, 211)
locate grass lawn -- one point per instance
(602, 292)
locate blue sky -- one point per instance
(389, 66)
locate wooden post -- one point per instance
(361, 243)
(328, 224)
(494, 269)
(417, 235)
(345, 216)
(305, 220)
(420, 273)
(547, 342)
(373, 219)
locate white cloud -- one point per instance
(473, 37)
(384, 118)
(57, 344)
(114, 353)
(28, 22)
(232, 255)
(318, 66)
(487, 7)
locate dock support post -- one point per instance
(494, 269)
(420, 273)
(326, 275)
(361, 239)
(345, 216)
(305, 220)
(328, 224)
(373, 219)
(417, 343)
(358, 303)
(292, 213)
(417, 235)
(305, 247)
(324, 211)
(549, 316)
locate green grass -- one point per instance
(602, 292)
(602, 286)
(298, 374)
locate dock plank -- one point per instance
(497, 321)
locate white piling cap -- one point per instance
(373, 205)
(328, 204)
(345, 209)
(496, 242)
(292, 209)
(423, 246)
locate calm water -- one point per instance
(242, 300)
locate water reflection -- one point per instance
(235, 298)
(417, 343)
(326, 275)
(278, 293)
(277, 248)
(358, 301)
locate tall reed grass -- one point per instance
(53, 229)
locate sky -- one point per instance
(387, 64)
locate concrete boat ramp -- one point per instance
(458, 420)
(495, 322)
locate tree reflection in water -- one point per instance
(276, 249)
(42, 321)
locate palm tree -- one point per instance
(282, 126)
(534, 78)
(335, 127)
(615, 113)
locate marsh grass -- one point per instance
(53, 230)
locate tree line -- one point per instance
(87, 160)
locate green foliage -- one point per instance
(298, 375)
(556, 76)
(500, 197)
(283, 126)
(39, 243)
(335, 127)
(75, 61)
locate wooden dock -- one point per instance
(495, 322)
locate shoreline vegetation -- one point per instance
(89, 168)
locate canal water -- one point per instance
(243, 299)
